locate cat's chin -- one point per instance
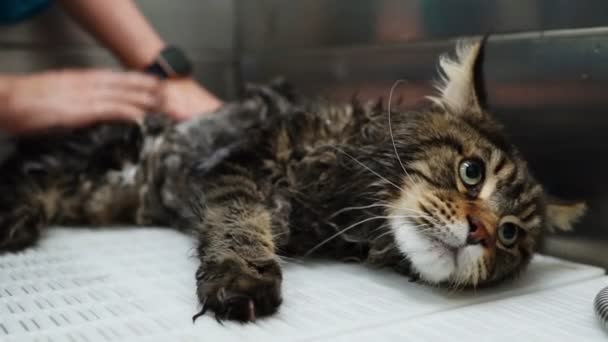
(433, 260)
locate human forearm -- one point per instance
(120, 26)
(6, 82)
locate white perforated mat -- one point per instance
(138, 285)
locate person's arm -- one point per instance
(120, 26)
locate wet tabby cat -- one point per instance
(439, 194)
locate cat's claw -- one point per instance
(231, 307)
(242, 295)
(204, 309)
(251, 311)
(219, 319)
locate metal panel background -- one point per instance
(547, 71)
(269, 24)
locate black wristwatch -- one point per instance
(171, 62)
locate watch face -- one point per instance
(177, 61)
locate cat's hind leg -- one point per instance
(31, 205)
(27, 207)
(21, 227)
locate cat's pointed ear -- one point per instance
(461, 88)
(561, 215)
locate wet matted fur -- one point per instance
(439, 193)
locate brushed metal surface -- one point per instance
(268, 24)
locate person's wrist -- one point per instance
(170, 63)
(8, 88)
(144, 55)
(12, 118)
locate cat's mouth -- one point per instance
(453, 250)
(446, 244)
(460, 262)
(437, 258)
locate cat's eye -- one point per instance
(471, 172)
(508, 233)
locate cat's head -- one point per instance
(470, 212)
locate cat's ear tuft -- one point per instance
(461, 88)
(562, 215)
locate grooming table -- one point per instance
(138, 285)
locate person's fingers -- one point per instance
(109, 76)
(145, 100)
(109, 110)
(184, 99)
(134, 80)
(76, 98)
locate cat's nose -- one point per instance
(478, 234)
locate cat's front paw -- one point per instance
(241, 293)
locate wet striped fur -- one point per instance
(439, 194)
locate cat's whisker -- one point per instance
(408, 216)
(390, 128)
(274, 236)
(366, 167)
(286, 259)
(421, 227)
(435, 223)
(432, 220)
(382, 235)
(414, 211)
(354, 225)
(375, 205)
(386, 225)
(405, 209)
(380, 204)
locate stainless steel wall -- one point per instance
(547, 71)
(268, 24)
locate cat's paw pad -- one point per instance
(241, 294)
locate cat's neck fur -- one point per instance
(344, 171)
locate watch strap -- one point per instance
(170, 62)
(156, 70)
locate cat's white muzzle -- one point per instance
(441, 256)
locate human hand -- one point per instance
(76, 98)
(184, 98)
